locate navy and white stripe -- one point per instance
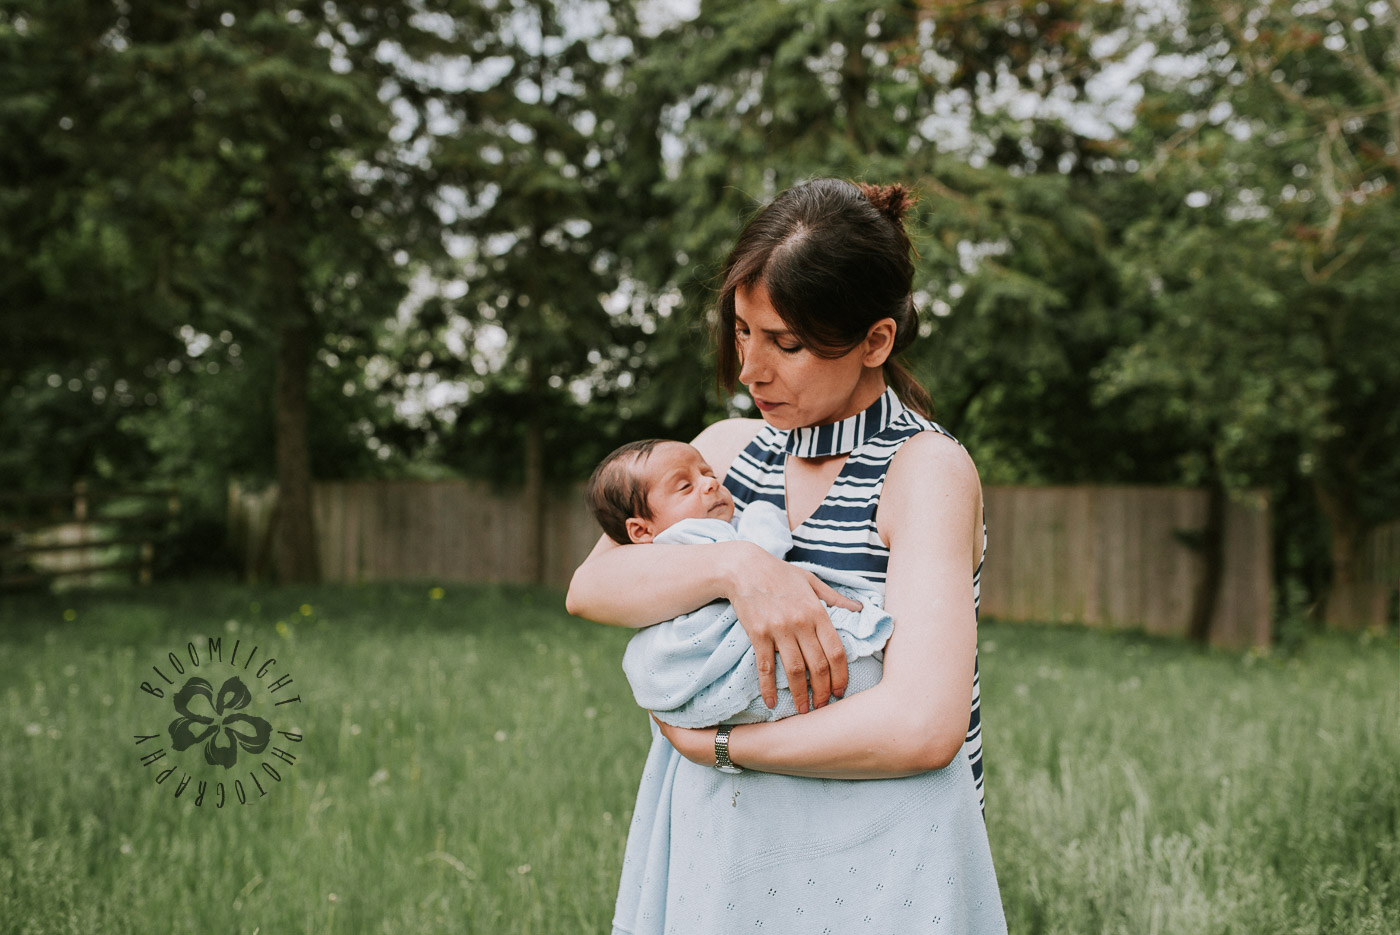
(838, 438)
(841, 532)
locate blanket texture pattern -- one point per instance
(699, 669)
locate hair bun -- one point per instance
(890, 200)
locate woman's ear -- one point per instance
(639, 530)
(879, 341)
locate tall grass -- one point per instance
(469, 764)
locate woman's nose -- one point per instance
(752, 369)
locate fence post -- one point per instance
(148, 552)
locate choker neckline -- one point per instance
(845, 436)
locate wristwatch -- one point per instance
(722, 751)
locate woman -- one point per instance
(785, 833)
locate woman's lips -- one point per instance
(764, 405)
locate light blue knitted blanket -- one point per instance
(710, 853)
(699, 669)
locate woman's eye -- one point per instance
(789, 350)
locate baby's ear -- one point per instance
(639, 530)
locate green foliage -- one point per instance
(1013, 274)
(497, 229)
(179, 175)
(1266, 263)
(1019, 282)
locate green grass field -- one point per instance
(468, 764)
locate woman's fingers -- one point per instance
(832, 597)
(835, 654)
(818, 672)
(780, 607)
(832, 677)
(814, 659)
(763, 659)
(825, 661)
(795, 667)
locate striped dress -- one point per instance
(710, 852)
(841, 532)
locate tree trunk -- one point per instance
(1211, 549)
(1347, 531)
(855, 83)
(297, 559)
(534, 569)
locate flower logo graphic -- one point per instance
(205, 717)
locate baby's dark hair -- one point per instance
(616, 493)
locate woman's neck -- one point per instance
(870, 387)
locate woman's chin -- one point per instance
(778, 417)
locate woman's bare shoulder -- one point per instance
(929, 474)
(721, 442)
(931, 455)
(931, 484)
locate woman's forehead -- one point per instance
(755, 308)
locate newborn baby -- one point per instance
(699, 669)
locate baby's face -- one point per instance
(680, 485)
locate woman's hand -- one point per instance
(780, 608)
(696, 744)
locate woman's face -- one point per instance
(791, 385)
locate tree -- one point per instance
(228, 168)
(1013, 273)
(526, 324)
(1269, 260)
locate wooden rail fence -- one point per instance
(1112, 557)
(84, 536)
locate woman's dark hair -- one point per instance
(834, 258)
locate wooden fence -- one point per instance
(1112, 557)
(418, 530)
(82, 537)
(1370, 599)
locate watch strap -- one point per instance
(722, 762)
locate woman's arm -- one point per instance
(777, 604)
(638, 585)
(916, 718)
